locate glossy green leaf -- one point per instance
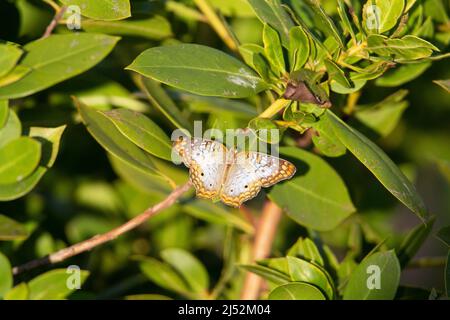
(18, 159)
(216, 213)
(379, 164)
(110, 138)
(382, 15)
(154, 28)
(306, 249)
(233, 8)
(272, 13)
(192, 270)
(381, 266)
(444, 235)
(326, 140)
(402, 74)
(444, 84)
(162, 101)
(17, 73)
(4, 112)
(384, 116)
(336, 73)
(102, 9)
(304, 271)
(325, 21)
(296, 291)
(6, 279)
(11, 130)
(9, 55)
(346, 24)
(54, 284)
(142, 131)
(57, 58)
(413, 241)
(11, 229)
(163, 275)
(273, 49)
(49, 139)
(400, 49)
(19, 292)
(272, 275)
(321, 199)
(199, 69)
(299, 48)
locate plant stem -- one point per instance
(53, 4)
(427, 262)
(58, 15)
(274, 108)
(97, 240)
(264, 235)
(217, 24)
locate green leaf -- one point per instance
(379, 164)
(49, 139)
(11, 130)
(18, 159)
(163, 275)
(19, 292)
(17, 73)
(321, 199)
(110, 138)
(161, 100)
(57, 58)
(4, 112)
(296, 291)
(102, 9)
(304, 271)
(6, 280)
(299, 48)
(272, 13)
(233, 8)
(325, 21)
(366, 274)
(306, 249)
(192, 270)
(413, 241)
(154, 28)
(216, 213)
(11, 229)
(53, 285)
(9, 55)
(273, 50)
(336, 73)
(199, 69)
(400, 49)
(445, 84)
(382, 15)
(402, 74)
(272, 275)
(384, 116)
(346, 25)
(147, 296)
(444, 235)
(142, 131)
(326, 140)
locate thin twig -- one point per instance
(58, 15)
(264, 235)
(108, 236)
(427, 262)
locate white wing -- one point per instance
(250, 172)
(206, 160)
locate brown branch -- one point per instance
(58, 15)
(108, 236)
(264, 235)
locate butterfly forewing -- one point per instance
(206, 160)
(249, 172)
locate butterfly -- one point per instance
(226, 174)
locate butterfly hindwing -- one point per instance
(249, 172)
(206, 160)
